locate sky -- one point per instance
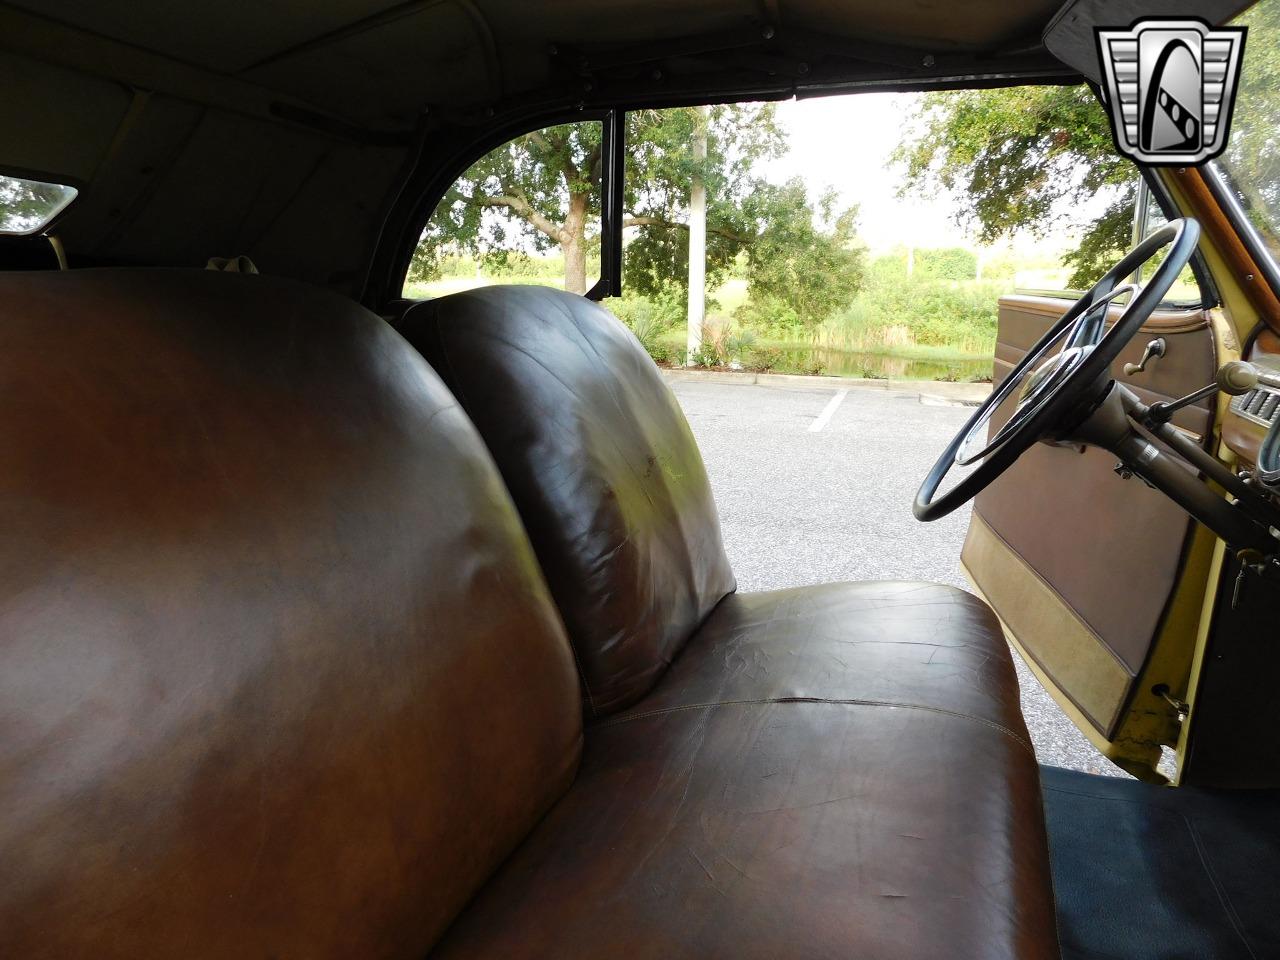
(845, 142)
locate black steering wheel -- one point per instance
(1058, 388)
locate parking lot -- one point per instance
(814, 483)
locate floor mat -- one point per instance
(1143, 872)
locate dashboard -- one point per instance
(1261, 405)
(1252, 425)
(1267, 413)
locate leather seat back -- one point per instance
(602, 466)
(279, 675)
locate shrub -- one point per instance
(652, 319)
(709, 355)
(947, 263)
(764, 359)
(770, 317)
(739, 344)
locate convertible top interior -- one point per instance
(350, 98)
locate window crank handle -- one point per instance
(1155, 350)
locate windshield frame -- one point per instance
(1216, 181)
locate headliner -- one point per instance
(378, 63)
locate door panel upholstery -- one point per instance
(1079, 564)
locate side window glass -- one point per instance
(527, 212)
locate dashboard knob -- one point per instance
(1237, 377)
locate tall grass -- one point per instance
(957, 317)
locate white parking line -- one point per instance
(828, 410)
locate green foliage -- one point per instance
(896, 313)
(652, 319)
(1020, 155)
(665, 310)
(899, 327)
(740, 343)
(795, 260)
(891, 315)
(765, 358)
(533, 193)
(710, 354)
(659, 170)
(1106, 240)
(947, 263)
(543, 190)
(771, 316)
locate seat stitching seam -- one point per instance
(856, 703)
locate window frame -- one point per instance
(1239, 220)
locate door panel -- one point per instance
(1080, 564)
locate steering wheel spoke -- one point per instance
(1051, 387)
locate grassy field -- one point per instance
(933, 323)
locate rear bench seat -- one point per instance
(280, 675)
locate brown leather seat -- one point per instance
(280, 674)
(840, 770)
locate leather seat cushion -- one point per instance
(602, 467)
(279, 675)
(832, 771)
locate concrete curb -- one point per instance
(960, 392)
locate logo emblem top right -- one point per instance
(1170, 86)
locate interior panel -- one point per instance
(1106, 551)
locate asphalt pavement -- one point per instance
(815, 484)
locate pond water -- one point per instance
(807, 358)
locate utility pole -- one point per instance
(697, 237)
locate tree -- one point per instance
(1021, 156)
(659, 170)
(543, 184)
(811, 266)
(542, 191)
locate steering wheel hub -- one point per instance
(1050, 373)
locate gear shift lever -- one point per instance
(1234, 378)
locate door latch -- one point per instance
(1252, 562)
(1155, 350)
